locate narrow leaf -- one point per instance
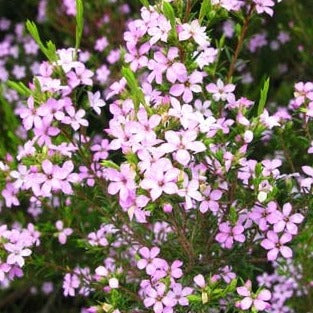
(204, 10)
(169, 13)
(79, 22)
(145, 3)
(110, 164)
(50, 50)
(19, 87)
(136, 93)
(263, 97)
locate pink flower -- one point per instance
(95, 101)
(220, 91)
(101, 44)
(137, 57)
(190, 191)
(199, 281)
(287, 222)
(178, 295)
(307, 182)
(270, 167)
(159, 180)
(113, 283)
(303, 91)
(211, 202)
(149, 260)
(66, 59)
(116, 88)
(143, 130)
(122, 181)
(75, 119)
(55, 178)
(98, 238)
(44, 133)
(100, 150)
(264, 6)
(195, 31)
(227, 274)
(70, 283)
(258, 302)
(102, 74)
(9, 195)
(161, 63)
(275, 245)
(228, 235)
(156, 297)
(269, 121)
(203, 107)
(63, 232)
(160, 30)
(20, 176)
(206, 57)
(17, 253)
(181, 144)
(80, 76)
(29, 115)
(263, 216)
(188, 86)
(174, 271)
(53, 109)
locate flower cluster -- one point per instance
(16, 245)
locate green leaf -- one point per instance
(8, 140)
(79, 23)
(110, 164)
(169, 13)
(145, 3)
(194, 298)
(50, 50)
(32, 28)
(232, 286)
(9, 117)
(233, 217)
(130, 78)
(204, 10)
(258, 170)
(19, 87)
(132, 158)
(136, 93)
(263, 97)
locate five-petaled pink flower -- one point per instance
(95, 101)
(288, 222)
(259, 301)
(220, 91)
(228, 234)
(188, 86)
(122, 181)
(181, 143)
(276, 245)
(149, 259)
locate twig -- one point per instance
(12, 297)
(188, 10)
(240, 42)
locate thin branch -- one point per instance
(240, 42)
